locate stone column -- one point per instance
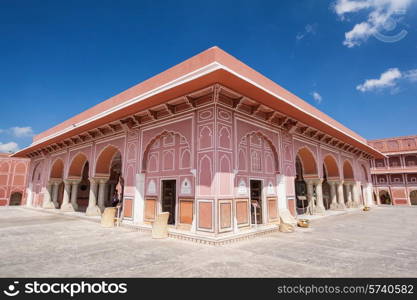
(47, 203)
(55, 190)
(66, 205)
(340, 195)
(349, 203)
(319, 209)
(369, 195)
(74, 194)
(101, 194)
(92, 209)
(310, 197)
(356, 195)
(333, 196)
(29, 193)
(139, 201)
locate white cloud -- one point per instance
(347, 6)
(9, 147)
(379, 15)
(20, 132)
(411, 75)
(309, 29)
(359, 33)
(388, 79)
(317, 96)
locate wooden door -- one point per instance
(169, 196)
(256, 200)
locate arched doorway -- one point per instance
(257, 169)
(56, 179)
(326, 189)
(78, 174)
(384, 198)
(300, 188)
(108, 175)
(349, 182)
(15, 199)
(413, 197)
(330, 173)
(35, 185)
(167, 163)
(306, 168)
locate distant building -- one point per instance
(13, 174)
(395, 177)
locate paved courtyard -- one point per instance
(379, 243)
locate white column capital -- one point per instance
(55, 181)
(98, 180)
(72, 180)
(348, 183)
(318, 180)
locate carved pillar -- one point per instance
(47, 203)
(92, 209)
(101, 194)
(74, 194)
(340, 195)
(369, 195)
(66, 206)
(29, 192)
(319, 209)
(356, 195)
(55, 190)
(349, 203)
(310, 197)
(333, 196)
(139, 204)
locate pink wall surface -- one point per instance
(13, 174)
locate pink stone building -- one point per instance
(13, 174)
(221, 147)
(395, 176)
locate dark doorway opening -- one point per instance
(256, 201)
(16, 199)
(169, 195)
(385, 198)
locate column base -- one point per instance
(286, 217)
(334, 206)
(349, 204)
(48, 205)
(93, 211)
(67, 207)
(355, 204)
(341, 206)
(319, 210)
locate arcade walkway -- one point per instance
(378, 243)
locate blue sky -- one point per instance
(58, 58)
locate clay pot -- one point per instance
(304, 223)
